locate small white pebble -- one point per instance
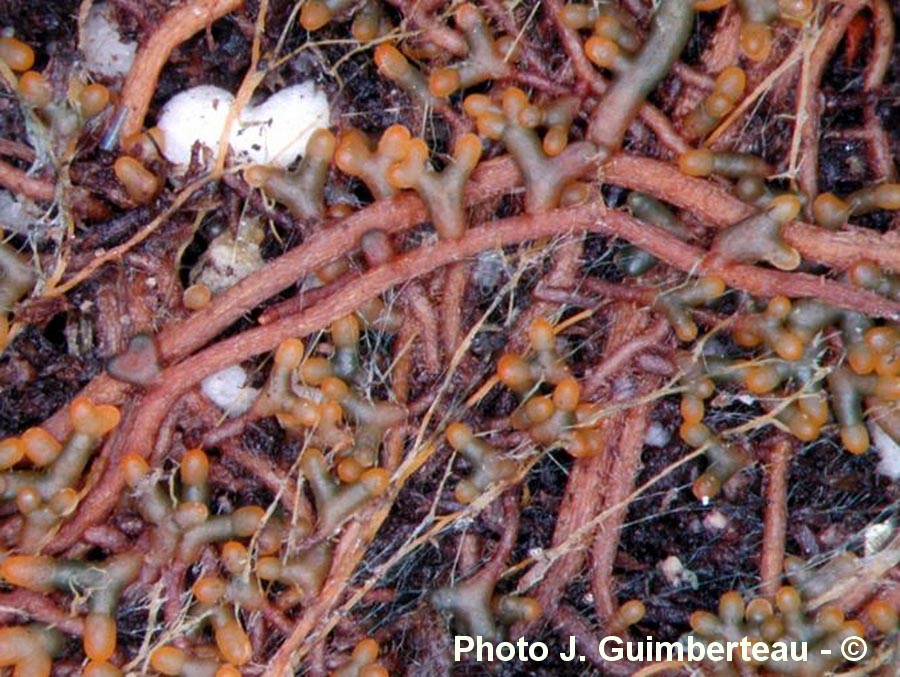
(226, 390)
(105, 52)
(536, 553)
(875, 537)
(715, 520)
(657, 435)
(671, 568)
(488, 269)
(888, 450)
(675, 574)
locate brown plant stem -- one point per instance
(812, 72)
(18, 182)
(777, 470)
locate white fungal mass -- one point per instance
(273, 133)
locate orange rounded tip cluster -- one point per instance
(139, 182)
(315, 370)
(697, 162)
(855, 438)
(34, 572)
(514, 372)
(352, 152)
(711, 286)
(321, 144)
(194, 467)
(575, 192)
(17, 55)
(705, 623)
(407, 172)
(694, 433)
(488, 117)
(289, 354)
(92, 420)
(146, 144)
(879, 352)
(191, 513)
(23, 648)
(887, 196)
(806, 421)
(706, 486)
(466, 492)
(314, 14)
(865, 274)
(756, 41)
(100, 669)
(830, 619)
(762, 379)
(334, 389)
(366, 651)
(758, 610)
(751, 331)
(93, 99)
(534, 412)
(390, 61)
(35, 89)
(349, 470)
(196, 297)
(305, 415)
(134, 469)
(209, 589)
(731, 607)
(444, 81)
(555, 141)
(883, 615)
(99, 637)
(541, 335)
(787, 600)
(28, 500)
(604, 52)
(235, 556)
(795, 11)
(245, 521)
(717, 105)
(567, 395)
(692, 409)
(631, 612)
(608, 26)
(365, 27)
(515, 609)
(731, 83)
(12, 450)
(467, 151)
(375, 480)
(830, 211)
(393, 141)
(576, 16)
(258, 176)
(784, 208)
(168, 660)
(458, 435)
(362, 662)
